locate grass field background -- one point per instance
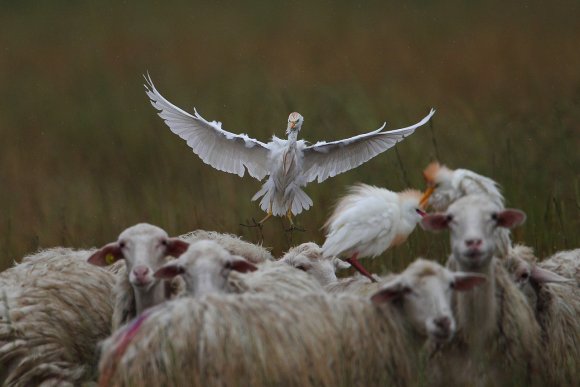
(83, 154)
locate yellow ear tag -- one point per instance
(110, 259)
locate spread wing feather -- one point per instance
(327, 159)
(221, 149)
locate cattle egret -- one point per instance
(289, 164)
(444, 186)
(369, 220)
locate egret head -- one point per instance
(439, 180)
(295, 121)
(411, 208)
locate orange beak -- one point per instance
(292, 124)
(425, 197)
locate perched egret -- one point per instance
(369, 220)
(289, 164)
(444, 186)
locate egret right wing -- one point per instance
(221, 149)
(327, 159)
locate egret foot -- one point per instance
(257, 225)
(292, 227)
(261, 222)
(254, 224)
(357, 265)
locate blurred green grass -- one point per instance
(83, 154)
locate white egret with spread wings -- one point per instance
(289, 164)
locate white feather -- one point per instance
(290, 164)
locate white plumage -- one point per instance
(369, 220)
(290, 164)
(447, 185)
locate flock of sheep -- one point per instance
(208, 308)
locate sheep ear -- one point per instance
(169, 270)
(241, 265)
(106, 255)
(510, 218)
(435, 222)
(339, 264)
(467, 281)
(540, 276)
(392, 291)
(176, 247)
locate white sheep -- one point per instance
(144, 249)
(234, 244)
(565, 263)
(309, 257)
(208, 268)
(445, 186)
(556, 303)
(357, 284)
(499, 336)
(528, 274)
(54, 309)
(311, 339)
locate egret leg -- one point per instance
(268, 216)
(292, 226)
(357, 265)
(259, 224)
(289, 216)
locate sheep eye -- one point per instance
(525, 276)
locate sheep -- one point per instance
(565, 263)
(54, 309)
(207, 267)
(445, 186)
(556, 303)
(234, 244)
(313, 339)
(497, 326)
(528, 274)
(308, 257)
(144, 248)
(357, 284)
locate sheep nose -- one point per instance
(443, 322)
(140, 272)
(473, 242)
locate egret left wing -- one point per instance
(327, 159)
(223, 150)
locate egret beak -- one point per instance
(426, 196)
